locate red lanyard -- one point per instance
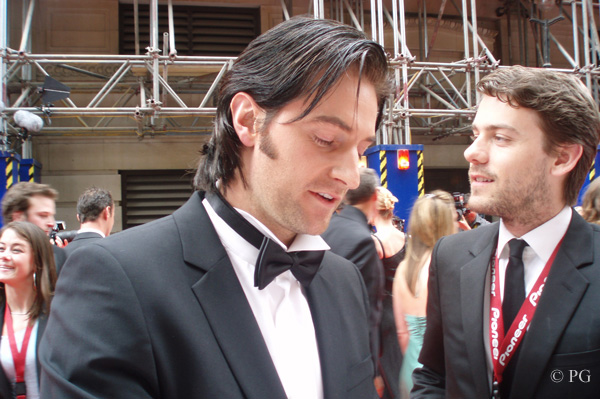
(18, 357)
(503, 348)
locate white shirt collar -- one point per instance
(90, 230)
(543, 239)
(302, 242)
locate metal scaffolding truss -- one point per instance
(161, 93)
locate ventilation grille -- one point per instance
(150, 195)
(199, 31)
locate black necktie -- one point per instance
(514, 285)
(272, 259)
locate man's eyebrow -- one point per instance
(496, 126)
(333, 120)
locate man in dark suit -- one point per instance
(35, 203)
(349, 235)
(96, 215)
(512, 305)
(233, 296)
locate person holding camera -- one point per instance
(35, 203)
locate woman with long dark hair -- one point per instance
(27, 278)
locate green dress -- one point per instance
(416, 327)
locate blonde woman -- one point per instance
(432, 217)
(389, 242)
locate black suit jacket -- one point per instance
(60, 257)
(80, 240)
(561, 349)
(158, 312)
(349, 236)
(5, 385)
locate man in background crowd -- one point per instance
(96, 215)
(34, 203)
(349, 235)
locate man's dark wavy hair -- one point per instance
(299, 57)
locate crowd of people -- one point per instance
(30, 260)
(285, 276)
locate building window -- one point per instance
(199, 30)
(148, 195)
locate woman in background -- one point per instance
(432, 217)
(389, 242)
(590, 206)
(27, 278)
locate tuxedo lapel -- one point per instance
(331, 345)
(562, 293)
(473, 288)
(224, 303)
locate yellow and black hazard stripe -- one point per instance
(8, 171)
(421, 174)
(31, 174)
(592, 173)
(383, 168)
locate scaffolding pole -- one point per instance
(432, 97)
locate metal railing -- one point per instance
(153, 94)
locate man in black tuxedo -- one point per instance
(96, 215)
(511, 311)
(35, 203)
(233, 296)
(349, 235)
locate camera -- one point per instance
(58, 226)
(460, 203)
(398, 223)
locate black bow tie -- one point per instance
(272, 259)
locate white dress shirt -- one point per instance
(90, 230)
(281, 309)
(541, 243)
(6, 359)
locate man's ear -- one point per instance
(374, 196)
(18, 216)
(566, 159)
(244, 113)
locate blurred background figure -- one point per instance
(473, 218)
(27, 278)
(349, 235)
(590, 205)
(35, 203)
(96, 215)
(432, 217)
(389, 241)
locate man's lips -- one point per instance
(328, 197)
(480, 179)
